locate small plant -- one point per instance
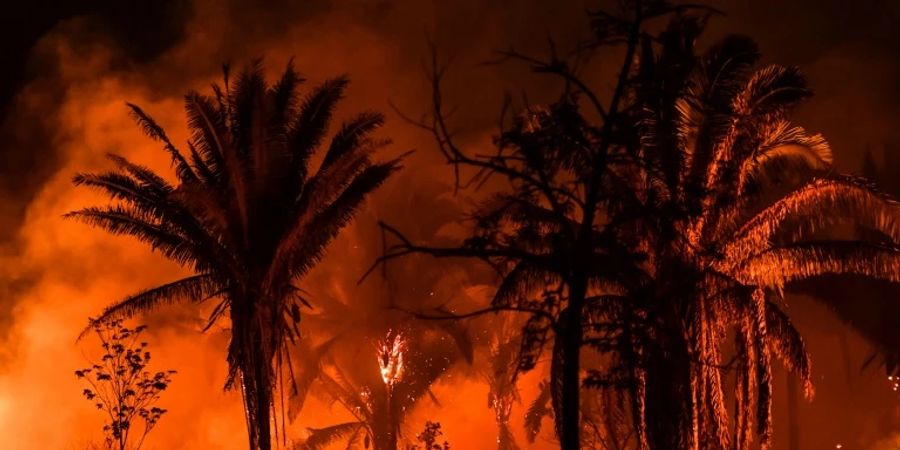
(430, 436)
(120, 386)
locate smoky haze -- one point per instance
(63, 109)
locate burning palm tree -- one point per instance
(247, 214)
(380, 389)
(390, 358)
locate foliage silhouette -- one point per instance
(605, 418)
(548, 233)
(379, 406)
(731, 203)
(248, 214)
(649, 227)
(121, 387)
(348, 332)
(429, 437)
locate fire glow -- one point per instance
(390, 358)
(74, 278)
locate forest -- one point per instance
(641, 251)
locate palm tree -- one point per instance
(364, 349)
(731, 203)
(379, 385)
(246, 214)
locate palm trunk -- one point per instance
(263, 403)
(256, 384)
(565, 373)
(669, 398)
(386, 426)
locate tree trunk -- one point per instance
(565, 373)
(669, 401)
(257, 388)
(263, 403)
(386, 426)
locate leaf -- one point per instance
(320, 438)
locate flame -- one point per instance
(390, 358)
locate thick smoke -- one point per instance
(56, 273)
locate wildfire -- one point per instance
(390, 358)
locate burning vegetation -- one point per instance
(613, 270)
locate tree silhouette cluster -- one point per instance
(635, 231)
(645, 229)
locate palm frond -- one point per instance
(208, 133)
(778, 266)
(321, 438)
(771, 89)
(309, 366)
(296, 256)
(789, 346)
(351, 135)
(152, 129)
(123, 220)
(149, 179)
(120, 186)
(818, 205)
(784, 152)
(192, 288)
(311, 123)
(284, 98)
(526, 278)
(536, 412)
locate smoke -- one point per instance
(56, 273)
(59, 272)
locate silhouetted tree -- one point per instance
(429, 437)
(730, 203)
(248, 214)
(548, 234)
(120, 385)
(678, 215)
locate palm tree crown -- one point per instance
(733, 203)
(247, 214)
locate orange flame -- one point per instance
(390, 358)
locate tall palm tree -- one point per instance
(731, 203)
(247, 213)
